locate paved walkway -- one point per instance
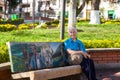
(104, 74)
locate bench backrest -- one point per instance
(27, 56)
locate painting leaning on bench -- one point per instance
(27, 56)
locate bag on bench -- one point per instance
(75, 59)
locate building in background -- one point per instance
(43, 8)
(1, 8)
(109, 9)
(52, 9)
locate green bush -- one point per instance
(102, 43)
(48, 23)
(9, 21)
(54, 25)
(21, 27)
(26, 26)
(66, 20)
(115, 21)
(55, 21)
(4, 57)
(7, 27)
(44, 26)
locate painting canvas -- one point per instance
(27, 56)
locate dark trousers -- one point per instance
(88, 69)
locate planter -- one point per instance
(5, 72)
(106, 58)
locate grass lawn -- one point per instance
(100, 32)
(94, 36)
(87, 32)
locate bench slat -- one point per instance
(21, 75)
(46, 74)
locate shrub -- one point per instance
(55, 21)
(66, 20)
(102, 43)
(44, 26)
(55, 25)
(48, 23)
(22, 26)
(26, 26)
(9, 21)
(7, 27)
(10, 27)
(4, 57)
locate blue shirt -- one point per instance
(74, 45)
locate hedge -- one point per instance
(4, 57)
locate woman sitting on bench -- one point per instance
(73, 47)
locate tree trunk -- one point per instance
(81, 7)
(72, 13)
(10, 8)
(95, 17)
(5, 7)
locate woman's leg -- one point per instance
(88, 68)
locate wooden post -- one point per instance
(62, 20)
(33, 13)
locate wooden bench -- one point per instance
(21, 54)
(46, 74)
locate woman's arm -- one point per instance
(86, 55)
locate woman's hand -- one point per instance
(86, 55)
